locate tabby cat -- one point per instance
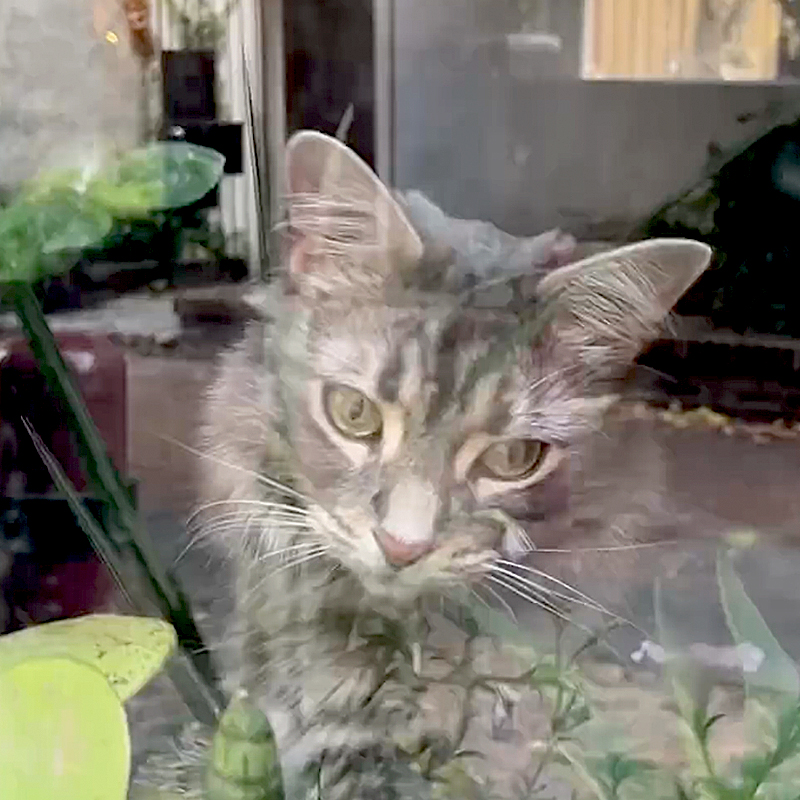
(395, 435)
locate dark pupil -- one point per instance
(356, 409)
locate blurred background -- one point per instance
(613, 120)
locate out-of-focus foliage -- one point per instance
(746, 208)
(41, 231)
(68, 211)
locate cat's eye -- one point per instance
(513, 459)
(352, 413)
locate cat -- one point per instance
(399, 429)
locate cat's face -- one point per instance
(431, 430)
(427, 440)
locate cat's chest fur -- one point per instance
(340, 674)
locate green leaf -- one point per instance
(160, 176)
(64, 733)
(691, 692)
(71, 210)
(129, 651)
(778, 672)
(582, 773)
(30, 231)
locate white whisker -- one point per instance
(265, 519)
(220, 523)
(283, 550)
(608, 549)
(300, 560)
(526, 540)
(474, 591)
(542, 590)
(526, 595)
(502, 601)
(532, 600)
(556, 581)
(287, 490)
(581, 599)
(189, 545)
(282, 507)
(547, 591)
(264, 523)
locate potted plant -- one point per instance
(40, 231)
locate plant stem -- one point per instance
(126, 531)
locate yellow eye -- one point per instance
(514, 458)
(352, 413)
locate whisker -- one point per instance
(526, 595)
(501, 600)
(285, 507)
(532, 600)
(275, 553)
(265, 521)
(242, 526)
(287, 490)
(588, 602)
(300, 560)
(542, 590)
(219, 523)
(526, 540)
(609, 549)
(243, 515)
(305, 557)
(241, 518)
(320, 551)
(580, 599)
(556, 581)
(194, 540)
(277, 524)
(473, 590)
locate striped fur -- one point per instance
(461, 336)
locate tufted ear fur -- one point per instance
(604, 309)
(349, 235)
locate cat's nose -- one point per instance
(399, 553)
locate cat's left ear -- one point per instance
(604, 309)
(349, 234)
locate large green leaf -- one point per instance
(160, 176)
(128, 651)
(63, 734)
(777, 672)
(34, 228)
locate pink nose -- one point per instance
(400, 553)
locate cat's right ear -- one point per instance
(348, 234)
(605, 308)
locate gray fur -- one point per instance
(384, 296)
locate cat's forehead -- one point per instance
(438, 362)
